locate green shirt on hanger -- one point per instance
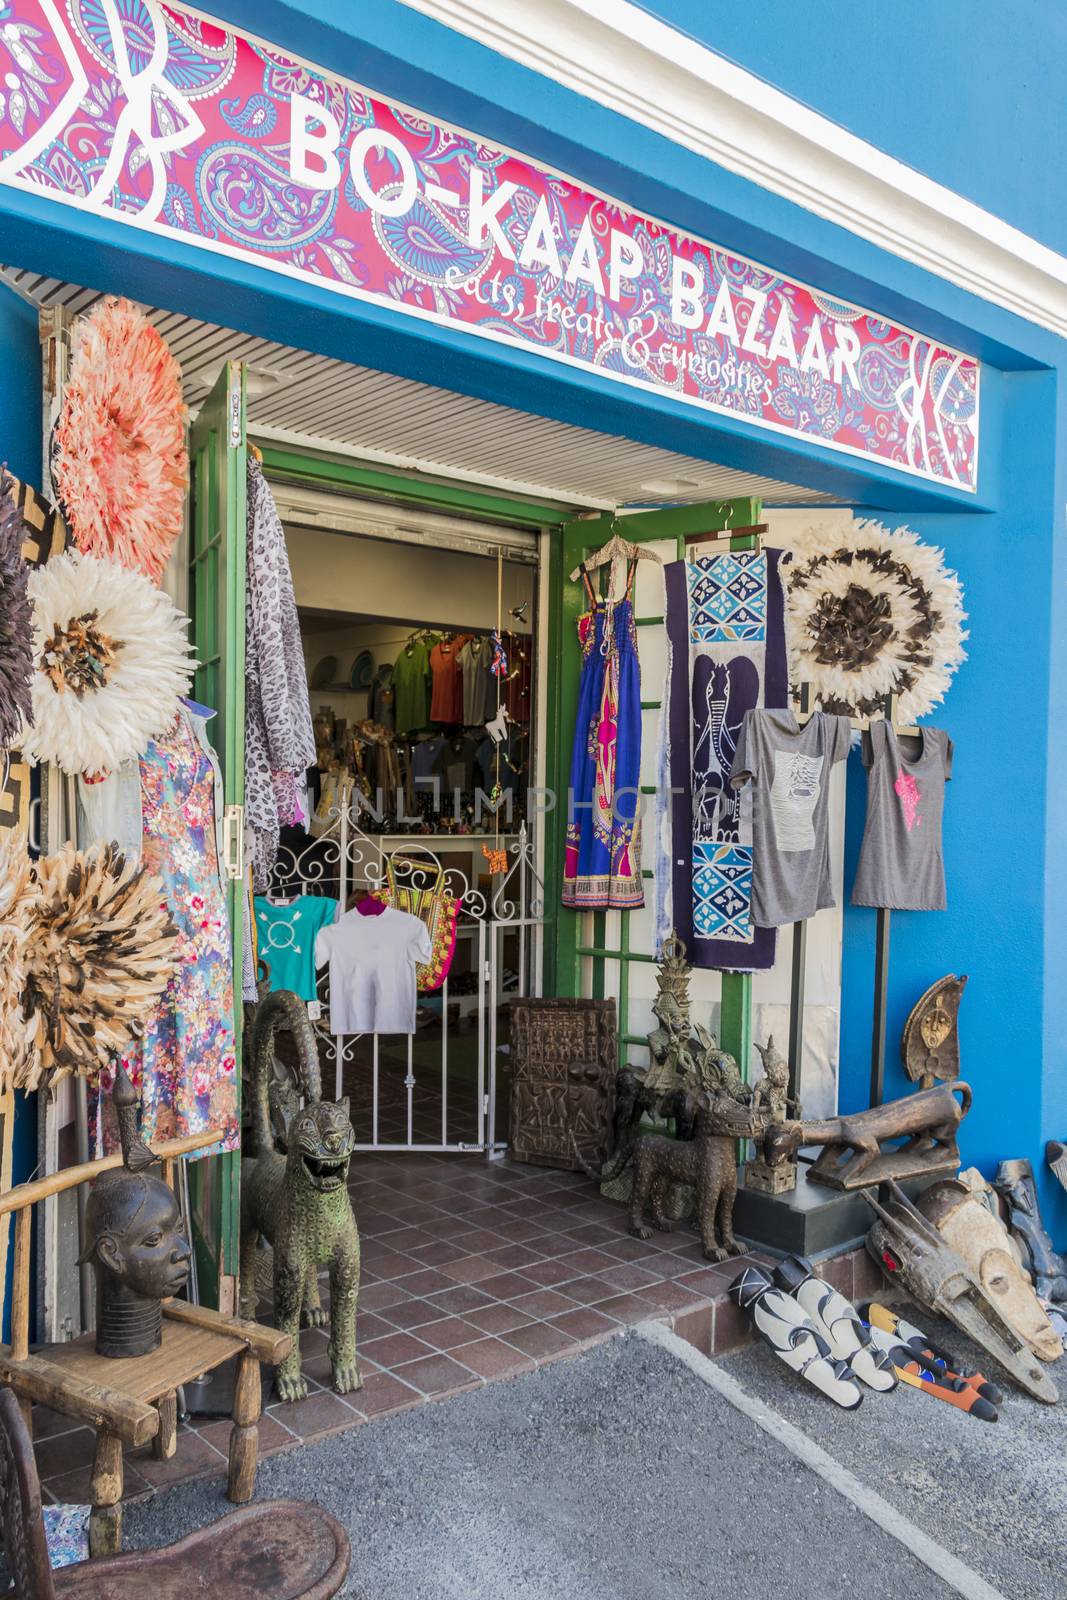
(411, 682)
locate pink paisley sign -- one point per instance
(162, 118)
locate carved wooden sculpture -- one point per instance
(927, 1121)
(930, 1044)
(287, 1549)
(961, 1214)
(910, 1251)
(1015, 1184)
(563, 1060)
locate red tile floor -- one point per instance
(471, 1271)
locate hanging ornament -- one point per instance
(873, 612)
(499, 667)
(111, 658)
(120, 465)
(16, 653)
(18, 898)
(102, 950)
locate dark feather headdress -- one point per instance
(16, 633)
(102, 951)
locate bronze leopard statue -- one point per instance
(299, 1203)
(706, 1162)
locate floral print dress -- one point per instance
(186, 1064)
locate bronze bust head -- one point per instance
(133, 1239)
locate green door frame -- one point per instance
(217, 451)
(563, 965)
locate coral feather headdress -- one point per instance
(120, 463)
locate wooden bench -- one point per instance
(132, 1401)
(284, 1549)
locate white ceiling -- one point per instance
(314, 401)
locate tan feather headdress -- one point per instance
(18, 897)
(102, 953)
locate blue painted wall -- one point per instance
(1004, 846)
(970, 94)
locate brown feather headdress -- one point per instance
(102, 953)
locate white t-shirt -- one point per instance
(372, 970)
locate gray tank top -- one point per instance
(901, 864)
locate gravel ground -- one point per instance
(616, 1476)
(994, 1493)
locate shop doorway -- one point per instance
(421, 789)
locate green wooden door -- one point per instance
(580, 951)
(217, 601)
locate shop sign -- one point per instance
(163, 119)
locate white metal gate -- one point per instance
(436, 1090)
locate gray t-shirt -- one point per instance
(475, 660)
(901, 865)
(372, 970)
(789, 769)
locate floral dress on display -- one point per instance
(186, 1064)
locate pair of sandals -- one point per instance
(812, 1328)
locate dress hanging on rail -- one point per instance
(726, 654)
(279, 737)
(185, 1066)
(602, 864)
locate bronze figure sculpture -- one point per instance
(927, 1120)
(133, 1240)
(1015, 1184)
(771, 1103)
(677, 1064)
(299, 1202)
(930, 1043)
(706, 1164)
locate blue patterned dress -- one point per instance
(602, 863)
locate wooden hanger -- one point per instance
(755, 530)
(806, 710)
(256, 451)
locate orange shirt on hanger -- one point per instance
(447, 702)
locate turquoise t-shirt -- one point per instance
(287, 934)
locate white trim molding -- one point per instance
(616, 54)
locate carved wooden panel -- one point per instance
(563, 1059)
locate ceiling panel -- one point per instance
(311, 400)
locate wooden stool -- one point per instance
(195, 1340)
(133, 1401)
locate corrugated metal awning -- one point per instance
(313, 402)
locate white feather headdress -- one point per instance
(111, 659)
(871, 612)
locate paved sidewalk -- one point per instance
(618, 1476)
